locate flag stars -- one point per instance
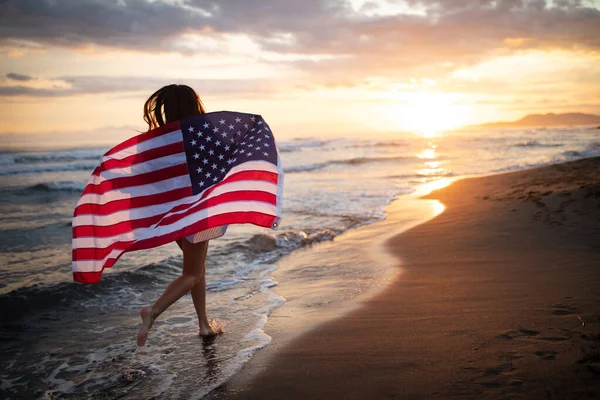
(265, 153)
(206, 125)
(208, 175)
(224, 134)
(196, 156)
(205, 161)
(201, 183)
(222, 122)
(199, 134)
(202, 147)
(216, 130)
(208, 139)
(214, 166)
(193, 142)
(253, 119)
(218, 143)
(238, 120)
(191, 129)
(215, 179)
(199, 170)
(260, 122)
(211, 152)
(231, 127)
(221, 156)
(227, 148)
(222, 170)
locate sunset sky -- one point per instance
(310, 67)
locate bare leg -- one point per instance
(199, 296)
(194, 269)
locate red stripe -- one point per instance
(137, 180)
(250, 217)
(157, 152)
(162, 130)
(144, 201)
(136, 202)
(127, 226)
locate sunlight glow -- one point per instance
(428, 113)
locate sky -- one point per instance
(84, 68)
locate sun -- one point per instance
(428, 113)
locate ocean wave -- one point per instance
(299, 144)
(60, 156)
(352, 161)
(18, 169)
(391, 143)
(67, 186)
(535, 143)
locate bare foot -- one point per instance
(210, 328)
(147, 321)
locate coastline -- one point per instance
(496, 299)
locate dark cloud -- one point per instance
(19, 77)
(83, 85)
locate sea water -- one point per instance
(62, 339)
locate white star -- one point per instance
(205, 161)
(246, 126)
(253, 119)
(224, 134)
(259, 139)
(230, 127)
(235, 159)
(251, 137)
(250, 145)
(235, 151)
(249, 154)
(266, 128)
(218, 143)
(221, 156)
(193, 142)
(215, 179)
(239, 133)
(260, 130)
(201, 147)
(260, 122)
(243, 143)
(222, 170)
(232, 140)
(214, 166)
(216, 130)
(238, 120)
(267, 136)
(208, 138)
(252, 130)
(229, 161)
(222, 122)
(206, 125)
(265, 153)
(266, 144)
(191, 129)
(199, 134)
(211, 152)
(196, 156)
(242, 151)
(258, 148)
(227, 148)
(199, 170)
(207, 175)
(201, 183)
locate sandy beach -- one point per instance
(499, 298)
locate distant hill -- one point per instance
(550, 119)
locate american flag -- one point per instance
(186, 179)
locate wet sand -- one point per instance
(499, 299)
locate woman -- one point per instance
(173, 103)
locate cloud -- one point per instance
(463, 32)
(86, 85)
(19, 77)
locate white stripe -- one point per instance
(149, 211)
(141, 168)
(166, 185)
(153, 143)
(145, 233)
(136, 191)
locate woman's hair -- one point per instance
(171, 103)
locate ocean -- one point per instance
(66, 340)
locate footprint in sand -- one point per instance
(563, 309)
(546, 354)
(513, 334)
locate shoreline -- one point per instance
(497, 210)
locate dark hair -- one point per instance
(171, 103)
